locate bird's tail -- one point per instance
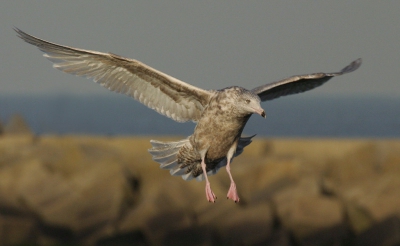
(165, 153)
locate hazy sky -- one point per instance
(210, 44)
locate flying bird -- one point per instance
(220, 114)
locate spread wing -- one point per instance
(300, 83)
(161, 92)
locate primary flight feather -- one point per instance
(220, 115)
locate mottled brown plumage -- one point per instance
(220, 115)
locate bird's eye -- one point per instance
(247, 101)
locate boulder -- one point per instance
(313, 219)
(17, 126)
(80, 203)
(372, 201)
(366, 180)
(16, 228)
(75, 189)
(382, 233)
(259, 183)
(248, 226)
(108, 191)
(10, 181)
(166, 213)
(15, 148)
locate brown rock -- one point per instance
(16, 229)
(354, 167)
(72, 154)
(81, 202)
(213, 215)
(166, 214)
(15, 148)
(316, 151)
(280, 237)
(371, 159)
(98, 190)
(173, 211)
(92, 200)
(389, 157)
(17, 126)
(211, 218)
(258, 182)
(10, 181)
(383, 233)
(313, 220)
(372, 201)
(366, 180)
(247, 226)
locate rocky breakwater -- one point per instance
(107, 191)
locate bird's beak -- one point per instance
(261, 112)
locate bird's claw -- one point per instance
(211, 197)
(232, 193)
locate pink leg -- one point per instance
(232, 193)
(209, 193)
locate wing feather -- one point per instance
(161, 92)
(300, 83)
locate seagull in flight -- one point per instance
(220, 114)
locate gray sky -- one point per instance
(210, 44)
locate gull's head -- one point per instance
(248, 102)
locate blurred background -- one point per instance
(212, 46)
(323, 170)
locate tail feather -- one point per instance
(166, 145)
(162, 154)
(187, 176)
(169, 165)
(163, 149)
(165, 159)
(178, 171)
(165, 153)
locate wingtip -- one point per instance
(19, 32)
(353, 66)
(16, 29)
(358, 62)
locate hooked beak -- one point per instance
(261, 112)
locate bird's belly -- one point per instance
(216, 138)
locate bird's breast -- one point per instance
(217, 130)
